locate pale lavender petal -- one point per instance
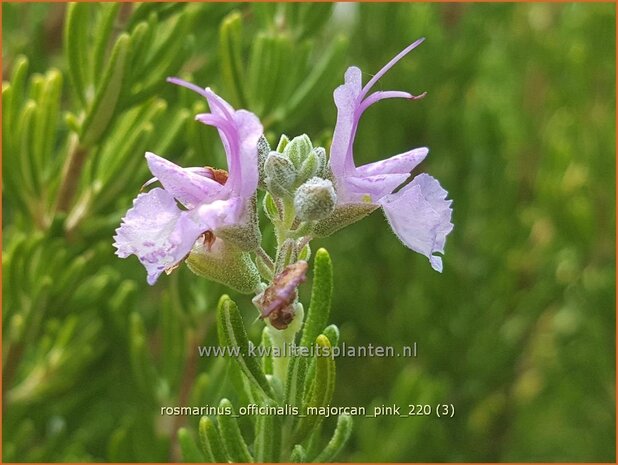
(420, 216)
(376, 186)
(157, 232)
(239, 131)
(382, 95)
(218, 105)
(221, 213)
(389, 65)
(347, 100)
(351, 103)
(249, 131)
(188, 185)
(402, 163)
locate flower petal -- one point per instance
(402, 163)
(187, 185)
(239, 131)
(220, 213)
(347, 101)
(157, 232)
(376, 186)
(420, 216)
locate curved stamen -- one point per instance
(389, 65)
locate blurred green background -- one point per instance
(518, 332)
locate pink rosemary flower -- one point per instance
(160, 233)
(419, 213)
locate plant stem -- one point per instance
(282, 340)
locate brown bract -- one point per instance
(277, 300)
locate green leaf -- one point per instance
(313, 16)
(101, 113)
(267, 437)
(46, 121)
(76, 43)
(321, 294)
(233, 335)
(332, 333)
(212, 444)
(320, 76)
(143, 368)
(169, 65)
(321, 389)
(141, 38)
(280, 57)
(102, 33)
(11, 107)
(259, 71)
(233, 441)
(341, 436)
(188, 448)
(164, 60)
(25, 129)
(265, 13)
(267, 343)
(294, 387)
(230, 50)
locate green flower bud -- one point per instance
(315, 199)
(263, 148)
(320, 154)
(312, 165)
(283, 142)
(298, 149)
(280, 174)
(308, 168)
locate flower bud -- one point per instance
(312, 165)
(280, 174)
(320, 154)
(298, 149)
(283, 142)
(315, 199)
(263, 148)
